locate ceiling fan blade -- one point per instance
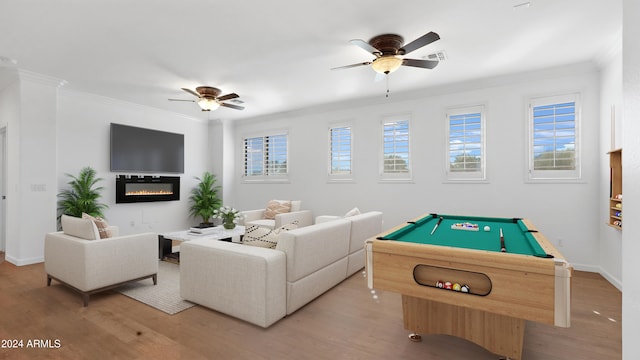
(416, 44)
(427, 64)
(227, 97)
(365, 46)
(191, 92)
(352, 65)
(181, 100)
(232, 106)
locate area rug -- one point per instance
(165, 296)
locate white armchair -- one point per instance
(79, 259)
(258, 218)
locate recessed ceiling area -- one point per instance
(277, 55)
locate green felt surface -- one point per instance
(517, 239)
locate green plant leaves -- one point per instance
(204, 197)
(83, 195)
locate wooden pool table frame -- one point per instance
(522, 288)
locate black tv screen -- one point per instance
(135, 149)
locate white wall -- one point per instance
(83, 126)
(630, 178)
(37, 159)
(29, 115)
(221, 156)
(53, 131)
(568, 214)
(610, 243)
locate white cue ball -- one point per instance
(487, 228)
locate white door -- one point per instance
(3, 177)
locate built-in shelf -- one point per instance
(615, 189)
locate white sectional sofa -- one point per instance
(261, 285)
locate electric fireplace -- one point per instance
(132, 188)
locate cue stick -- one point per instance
(437, 224)
(502, 247)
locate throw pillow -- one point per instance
(264, 237)
(275, 207)
(101, 224)
(80, 228)
(353, 212)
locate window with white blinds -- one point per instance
(340, 152)
(396, 148)
(265, 156)
(466, 143)
(553, 137)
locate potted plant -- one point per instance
(228, 215)
(204, 199)
(83, 196)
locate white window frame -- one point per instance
(340, 177)
(265, 176)
(534, 175)
(398, 176)
(466, 176)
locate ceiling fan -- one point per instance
(209, 98)
(389, 51)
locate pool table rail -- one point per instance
(527, 287)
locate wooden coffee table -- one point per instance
(169, 242)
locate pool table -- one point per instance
(455, 278)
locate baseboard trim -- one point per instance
(612, 279)
(23, 262)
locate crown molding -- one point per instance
(40, 78)
(109, 101)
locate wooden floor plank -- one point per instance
(344, 323)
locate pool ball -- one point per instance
(464, 288)
(456, 287)
(487, 228)
(448, 285)
(439, 284)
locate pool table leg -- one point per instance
(499, 334)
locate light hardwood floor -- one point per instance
(344, 323)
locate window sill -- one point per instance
(266, 181)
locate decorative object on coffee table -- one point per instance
(204, 199)
(228, 215)
(82, 197)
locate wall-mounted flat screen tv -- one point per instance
(135, 149)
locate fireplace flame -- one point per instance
(148, 193)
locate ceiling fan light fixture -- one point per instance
(386, 64)
(207, 104)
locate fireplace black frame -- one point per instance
(123, 180)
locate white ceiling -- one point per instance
(277, 54)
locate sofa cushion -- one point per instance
(80, 228)
(103, 227)
(275, 207)
(296, 205)
(268, 223)
(311, 248)
(265, 237)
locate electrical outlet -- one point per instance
(133, 223)
(560, 244)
